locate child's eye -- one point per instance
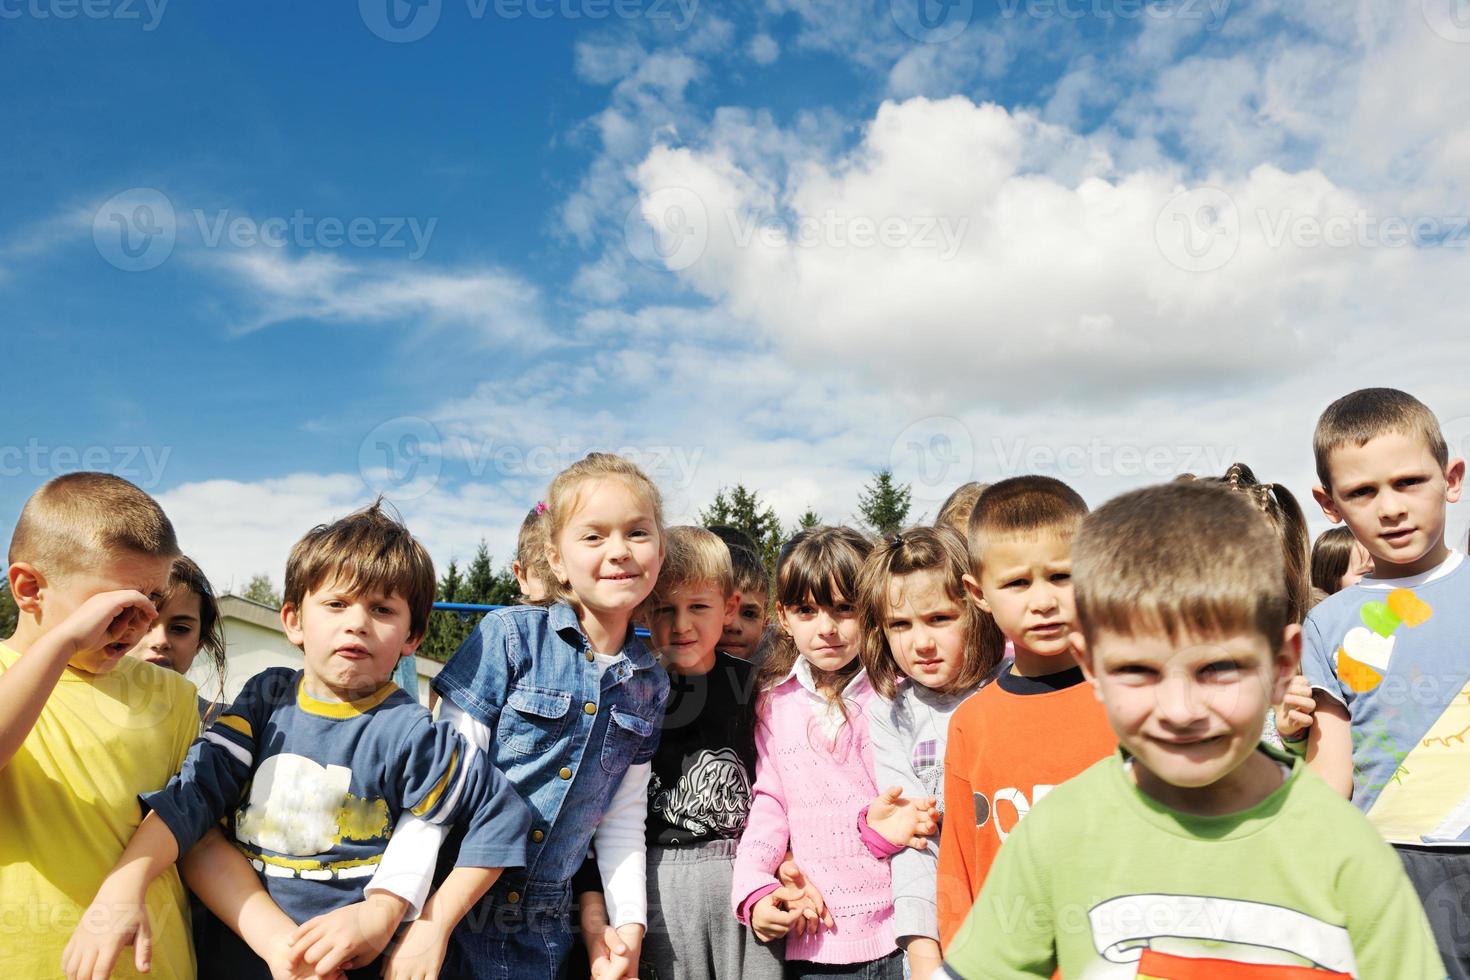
(751, 614)
(898, 624)
(183, 629)
(845, 609)
(1135, 671)
(1220, 670)
(1015, 583)
(638, 533)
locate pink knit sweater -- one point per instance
(810, 792)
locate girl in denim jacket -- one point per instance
(568, 702)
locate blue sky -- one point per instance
(650, 225)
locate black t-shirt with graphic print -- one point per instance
(703, 771)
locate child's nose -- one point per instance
(1177, 702)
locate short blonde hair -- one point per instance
(368, 552)
(531, 546)
(80, 519)
(1023, 505)
(565, 494)
(1182, 559)
(1369, 413)
(693, 556)
(959, 505)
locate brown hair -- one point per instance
(923, 549)
(1290, 525)
(1331, 554)
(1023, 505)
(820, 565)
(958, 506)
(1184, 559)
(186, 576)
(750, 571)
(80, 519)
(1369, 413)
(693, 556)
(565, 494)
(367, 552)
(531, 546)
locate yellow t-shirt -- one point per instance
(69, 805)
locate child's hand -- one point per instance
(356, 932)
(903, 822)
(105, 619)
(774, 915)
(116, 918)
(419, 952)
(615, 955)
(284, 966)
(1294, 713)
(812, 905)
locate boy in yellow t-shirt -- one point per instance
(83, 727)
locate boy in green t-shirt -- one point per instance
(1195, 851)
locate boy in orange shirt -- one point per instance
(1038, 724)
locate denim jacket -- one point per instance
(562, 738)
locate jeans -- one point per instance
(889, 967)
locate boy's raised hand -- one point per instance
(812, 905)
(356, 933)
(903, 822)
(113, 920)
(104, 619)
(1295, 712)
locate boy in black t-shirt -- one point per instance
(699, 793)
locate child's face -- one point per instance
(62, 595)
(351, 643)
(925, 629)
(1190, 712)
(610, 551)
(1026, 584)
(827, 636)
(1360, 563)
(1392, 495)
(173, 639)
(742, 636)
(686, 626)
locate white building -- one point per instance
(255, 640)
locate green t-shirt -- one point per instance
(1102, 881)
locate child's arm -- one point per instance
(1330, 745)
(902, 823)
(622, 858)
(121, 906)
(419, 952)
(763, 844)
(108, 617)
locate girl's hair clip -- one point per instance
(541, 507)
(896, 541)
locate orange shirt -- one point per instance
(1009, 745)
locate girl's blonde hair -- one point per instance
(1290, 525)
(924, 549)
(564, 496)
(819, 565)
(531, 547)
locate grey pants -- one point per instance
(692, 932)
(1441, 876)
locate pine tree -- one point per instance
(808, 519)
(479, 584)
(883, 504)
(742, 509)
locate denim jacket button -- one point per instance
(591, 657)
(538, 836)
(590, 707)
(565, 773)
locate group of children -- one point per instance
(1029, 740)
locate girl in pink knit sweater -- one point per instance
(814, 783)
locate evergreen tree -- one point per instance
(9, 614)
(260, 590)
(883, 504)
(809, 519)
(741, 508)
(479, 584)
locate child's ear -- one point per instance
(291, 622)
(26, 585)
(1454, 477)
(1284, 663)
(411, 646)
(1324, 500)
(732, 606)
(553, 559)
(972, 589)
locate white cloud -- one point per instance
(763, 49)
